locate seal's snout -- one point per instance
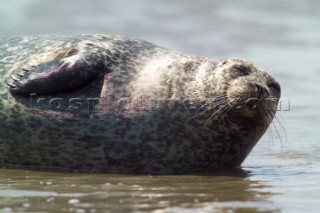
(258, 95)
(275, 88)
(251, 95)
(261, 91)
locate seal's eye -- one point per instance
(242, 70)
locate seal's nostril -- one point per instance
(252, 103)
(260, 90)
(274, 85)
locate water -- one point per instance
(282, 174)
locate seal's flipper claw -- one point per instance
(11, 85)
(14, 78)
(56, 76)
(20, 75)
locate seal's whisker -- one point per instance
(274, 100)
(277, 120)
(201, 107)
(214, 105)
(271, 135)
(278, 133)
(203, 112)
(220, 111)
(232, 105)
(267, 119)
(274, 122)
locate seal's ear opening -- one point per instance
(223, 62)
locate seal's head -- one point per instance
(250, 91)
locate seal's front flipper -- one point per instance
(57, 76)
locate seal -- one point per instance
(115, 104)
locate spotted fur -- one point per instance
(115, 104)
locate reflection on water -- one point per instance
(282, 36)
(31, 191)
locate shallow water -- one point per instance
(282, 174)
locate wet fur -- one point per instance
(153, 110)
